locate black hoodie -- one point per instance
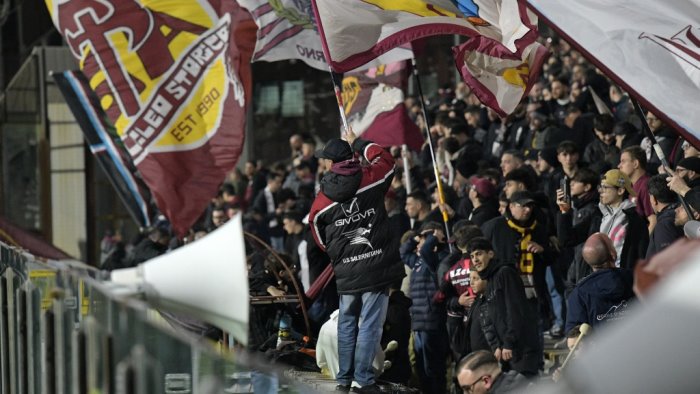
(514, 321)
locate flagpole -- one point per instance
(407, 174)
(441, 196)
(659, 151)
(339, 98)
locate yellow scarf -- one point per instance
(526, 265)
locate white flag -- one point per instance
(650, 48)
(287, 30)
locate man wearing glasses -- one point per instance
(619, 221)
(479, 373)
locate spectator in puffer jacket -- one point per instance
(422, 254)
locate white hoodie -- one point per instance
(614, 224)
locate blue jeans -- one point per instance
(264, 383)
(556, 296)
(357, 345)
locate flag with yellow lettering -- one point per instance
(499, 79)
(173, 78)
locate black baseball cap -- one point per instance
(336, 150)
(522, 198)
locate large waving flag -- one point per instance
(374, 106)
(650, 48)
(171, 77)
(287, 30)
(499, 79)
(498, 62)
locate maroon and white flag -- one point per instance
(502, 39)
(499, 78)
(374, 106)
(171, 77)
(650, 48)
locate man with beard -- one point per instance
(686, 180)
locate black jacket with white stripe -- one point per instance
(349, 222)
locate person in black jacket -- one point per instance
(619, 221)
(397, 327)
(267, 204)
(153, 246)
(664, 203)
(577, 211)
(480, 373)
(520, 239)
(349, 222)
(514, 322)
(479, 328)
(482, 194)
(605, 294)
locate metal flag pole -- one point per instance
(407, 174)
(659, 152)
(441, 196)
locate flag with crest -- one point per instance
(374, 105)
(174, 79)
(501, 33)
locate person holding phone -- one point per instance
(578, 208)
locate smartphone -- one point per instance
(564, 185)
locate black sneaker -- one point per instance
(556, 332)
(369, 389)
(341, 388)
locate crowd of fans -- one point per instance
(521, 195)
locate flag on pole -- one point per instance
(499, 61)
(287, 30)
(497, 77)
(650, 48)
(355, 31)
(173, 80)
(105, 145)
(374, 106)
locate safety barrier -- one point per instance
(64, 330)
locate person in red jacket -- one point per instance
(349, 222)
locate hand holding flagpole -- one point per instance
(660, 154)
(337, 83)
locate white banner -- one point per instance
(286, 30)
(651, 48)
(356, 31)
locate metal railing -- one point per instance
(64, 330)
